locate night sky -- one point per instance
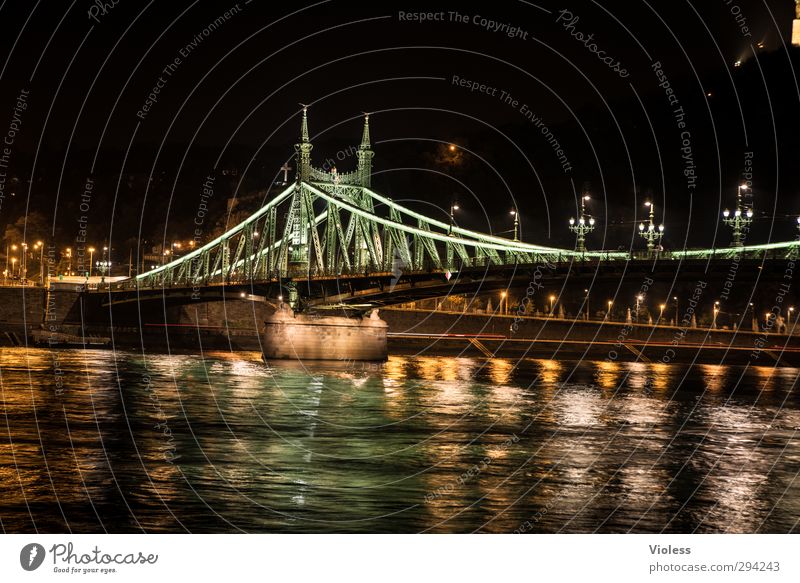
(502, 82)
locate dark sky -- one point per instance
(231, 102)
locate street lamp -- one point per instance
(608, 313)
(69, 263)
(649, 232)
(516, 224)
(639, 299)
(661, 311)
(91, 260)
(23, 264)
(552, 299)
(740, 219)
(714, 320)
(105, 265)
(13, 260)
(586, 291)
(40, 246)
(453, 209)
(504, 303)
(582, 227)
(5, 273)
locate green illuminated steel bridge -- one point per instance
(332, 227)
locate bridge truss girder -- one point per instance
(324, 229)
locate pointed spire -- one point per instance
(304, 125)
(365, 155)
(303, 149)
(365, 145)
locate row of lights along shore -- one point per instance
(633, 316)
(18, 256)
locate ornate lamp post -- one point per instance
(104, 266)
(739, 220)
(583, 226)
(649, 232)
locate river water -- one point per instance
(95, 440)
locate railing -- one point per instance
(349, 178)
(788, 327)
(611, 258)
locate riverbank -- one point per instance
(456, 333)
(31, 316)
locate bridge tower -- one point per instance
(303, 149)
(298, 218)
(365, 155)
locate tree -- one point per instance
(29, 228)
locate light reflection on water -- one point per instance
(418, 444)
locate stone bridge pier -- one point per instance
(309, 337)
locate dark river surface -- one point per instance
(95, 440)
